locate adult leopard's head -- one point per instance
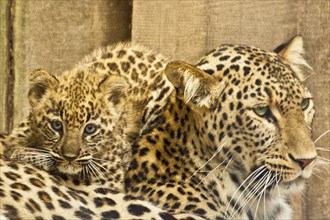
(254, 110)
(78, 122)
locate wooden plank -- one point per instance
(264, 24)
(187, 29)
(55, 35)
(5, 66)
(314, 25)
(177, 29)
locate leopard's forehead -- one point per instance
(257, 74)
(78, 99)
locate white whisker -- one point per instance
(214, 154)
(253, 191)
(91, 168)
(317, 139)
(322, 149)
(251, 175)
(103, 168)
(213, 171)
(322, 158)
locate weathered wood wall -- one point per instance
(55, 34)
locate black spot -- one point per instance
(110, 215)
(121, 53)
(239, 95)
(137, 210)
(107, 56)
(235, 67)
(234, 178)
(231, 106)
(211, 206)
(200, 211)
(20, 186)
(160, 193)
(224, 58)
(134, 164)
(239, 120)
(166, 216)
(220, 67)
(238, 149)
(226, 72)
(143, 151)
(235, 59)
(112, 66)
(258, 82)
(46, 199)
(211, 137)
(158, 154)
(151, 140)
(209, 71)
(84, 213)
(57, 217)
(12, 176)
(246, 70)
(189, 207)
(64, 204)
(125, 66)
(175, 205)
(172, 197)
(249, 214)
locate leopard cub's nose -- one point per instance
(70, 157)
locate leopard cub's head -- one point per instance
(78, 122)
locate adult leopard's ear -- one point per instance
(115, 88)
(195, 86)
(40, 82)
(293, 53)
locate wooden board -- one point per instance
(178, 29)
(314, 25)
(5, 98)
(55, 35)
(188, 29)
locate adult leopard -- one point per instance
(234, 138)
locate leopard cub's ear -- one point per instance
(293, 53)
(40, 82)
(115, 89)
(195, 86)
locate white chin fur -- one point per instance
(69, 169)
(290, 187)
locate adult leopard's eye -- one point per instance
(304, 104)
(57, 125)
(90, 129)
(262, 111)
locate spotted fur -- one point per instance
(30, 193)
(79, 131)
(234, 139)
(99, 107)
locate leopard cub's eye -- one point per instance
(90, 129)
(262, 111)
(304, 104)
(57, 125)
